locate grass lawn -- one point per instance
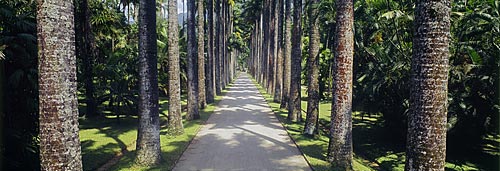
(374, 148)
(106, 138)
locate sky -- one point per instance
(180, 4)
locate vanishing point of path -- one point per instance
(242, 134)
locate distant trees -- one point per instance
(59, 140)
(87, 50)
(426, 142)
(148, 134)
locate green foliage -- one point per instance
(19, 49)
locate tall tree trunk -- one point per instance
(87, 50)
(265, 44)
(294, 108)
(174, 82)
(272, 46)
(210, 47)
(426, 141)
(192, 57)
(278, 86)
(59, 139)
(201, 55)
(223, 45)
(312, 116)
(340, 145)
(148, 134)
(218, 44)
(287, 54)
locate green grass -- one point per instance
(374, 148)
(314, 149)
(105, 138)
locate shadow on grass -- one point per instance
(101, 139)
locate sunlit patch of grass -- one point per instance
(314, 149)
(102, 139)
(172, 146)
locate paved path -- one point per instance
(242, 134)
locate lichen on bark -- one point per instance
(59, 136)
(426, 138)
(340, 145)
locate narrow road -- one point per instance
(242, 134)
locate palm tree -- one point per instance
(340, 145)
(86, 48)
(294, 108)
(287, 54)
(148, 134)
(174, 81)
(426, 141)
(210, 78)
(311, 126)
(201, 55)
(217, 56)
(59, 139)
(278, 87)
(192, 103)
(271, 48)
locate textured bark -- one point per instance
(287, 54)
(311, 125)
(201, 55)
(148, 134)
(340, 145)
(273, 36)
(278, 86)
(222, 54)
(174, 81)
(265, 45)
(218, 87)
(192, 57)
(426, 141)
(86, 48)
(210, 47)
(294, 108)
(59, 139)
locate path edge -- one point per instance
(281, 123)
(203, 124)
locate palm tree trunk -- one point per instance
(192, 111)
(201, 56)
(278, 86)
(340, 145)
(272, 46)
(312, 116)
(87, 50)
(426, 141)
(174, 82)
(210, 47)
(148, 134)
(58, 104)
(218, 43)
(295, 110)
(287, 54)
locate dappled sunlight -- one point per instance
(242, 134)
